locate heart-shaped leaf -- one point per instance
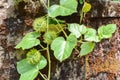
(63, 48)
(91, 35)
(86, 48)
(29, 71)
(24, 66)
(29, 40)
(66, 7)
(77, 29)
(106, 31)
(30, 75)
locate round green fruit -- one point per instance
(40, 24)
(33, 56)
(49, 36)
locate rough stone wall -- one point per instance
(4, 58)
(101, 64)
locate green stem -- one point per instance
(44, 4)
(48, 53)
(81, 14)
(81, 40)
(77, 50)
(48, 3)
(48, 16)
(42, 76)
(85, 60)
(42, 46)
(61, 27)
(49, 62)
(43, 49)
(81, 17)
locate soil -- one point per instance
(101, 64)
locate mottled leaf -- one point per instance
(29, 40)
(77, 29)
(86, 48)
(63, 48)
(106, 31)
(91, 35)
(66, 7)
(23, 66)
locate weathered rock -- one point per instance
(105, 9)
(101, 64)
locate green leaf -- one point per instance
(42, 64)
(29, 40)
(81, 1)
(66, 7)
(30, 75)
(86, 7)
(106, 31)
(91, 35)
(23, 66)
(77, 29)
(63, 48)
(53, 21)
(86, 48)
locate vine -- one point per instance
(47, 30)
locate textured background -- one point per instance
(101, 64)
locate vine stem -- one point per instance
(42, 46)
(81, 14)
(43, 49)
(85, 68)
(81, 17)
(48, 16)
(48, 53)
(42, 76)
(44, 3)
(86, 65)
(61, 27)
(49, 62)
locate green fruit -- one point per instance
(40, 24)
(86, 7)
(33, 56)
(49, 36)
